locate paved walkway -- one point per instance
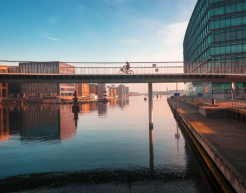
(220, 102)
(227, 135)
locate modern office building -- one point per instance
(47, 89)
(215, 37)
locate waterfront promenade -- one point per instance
(222, 138)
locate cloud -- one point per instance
(128, 41)
(46, 35)
(51, 38)
(52, 19)
(173, 34)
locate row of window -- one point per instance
(227, 22)
(38, 89)
(215, 24)
(227, 49)
(228, 35)
(227, 8)
(231, 34)
(40, 84)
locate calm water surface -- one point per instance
(111, 147)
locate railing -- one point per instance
(237, 105)
(56, 67)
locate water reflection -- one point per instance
(111, 146)
(151, 153)
(49, 123)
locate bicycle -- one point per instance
(125, 71)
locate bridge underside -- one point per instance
(133, 78)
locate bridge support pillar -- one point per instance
(150, 105)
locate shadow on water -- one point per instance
(55, 124)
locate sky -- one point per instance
(95, 31)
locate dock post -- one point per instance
(150, 106)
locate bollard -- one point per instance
(213, 101)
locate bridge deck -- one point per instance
(119, 78)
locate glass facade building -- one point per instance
(216, 33)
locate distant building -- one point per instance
(14, 89)
(121, 90)
(93, 89)
(3, 86)
(47, 89)
(83, 89)
(127, 90)
(118, 91)
(101, 89)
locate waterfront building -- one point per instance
(127, 90)
(118, 91)
(101, 89)
(14, 89)
(3, 86)
(216, 33)
(122, 90)
(93, 89)
(47, 89)
(83, 89)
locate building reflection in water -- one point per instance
(50, 123)
(38, 123)
(67, 123)
(4, 124)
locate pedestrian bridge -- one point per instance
(110, 72)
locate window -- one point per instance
(239, 21)
(228, 37)
(222, 50)
(222, 10)
(217, 50)
(233, 8)
(244, 20)
(228, 9)
(228, 49)
(233, 35)
(217, 24)
(239, 48)
(228, 22)
(222, 23)
(217, 11)
(239, 7)
(234, 48)
(233, 21)
(239, 34)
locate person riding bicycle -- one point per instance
(127, 66)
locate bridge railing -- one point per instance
(29, 67)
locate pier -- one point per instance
(223, 140)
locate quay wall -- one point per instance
(237, 181)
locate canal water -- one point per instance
(108, 148)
